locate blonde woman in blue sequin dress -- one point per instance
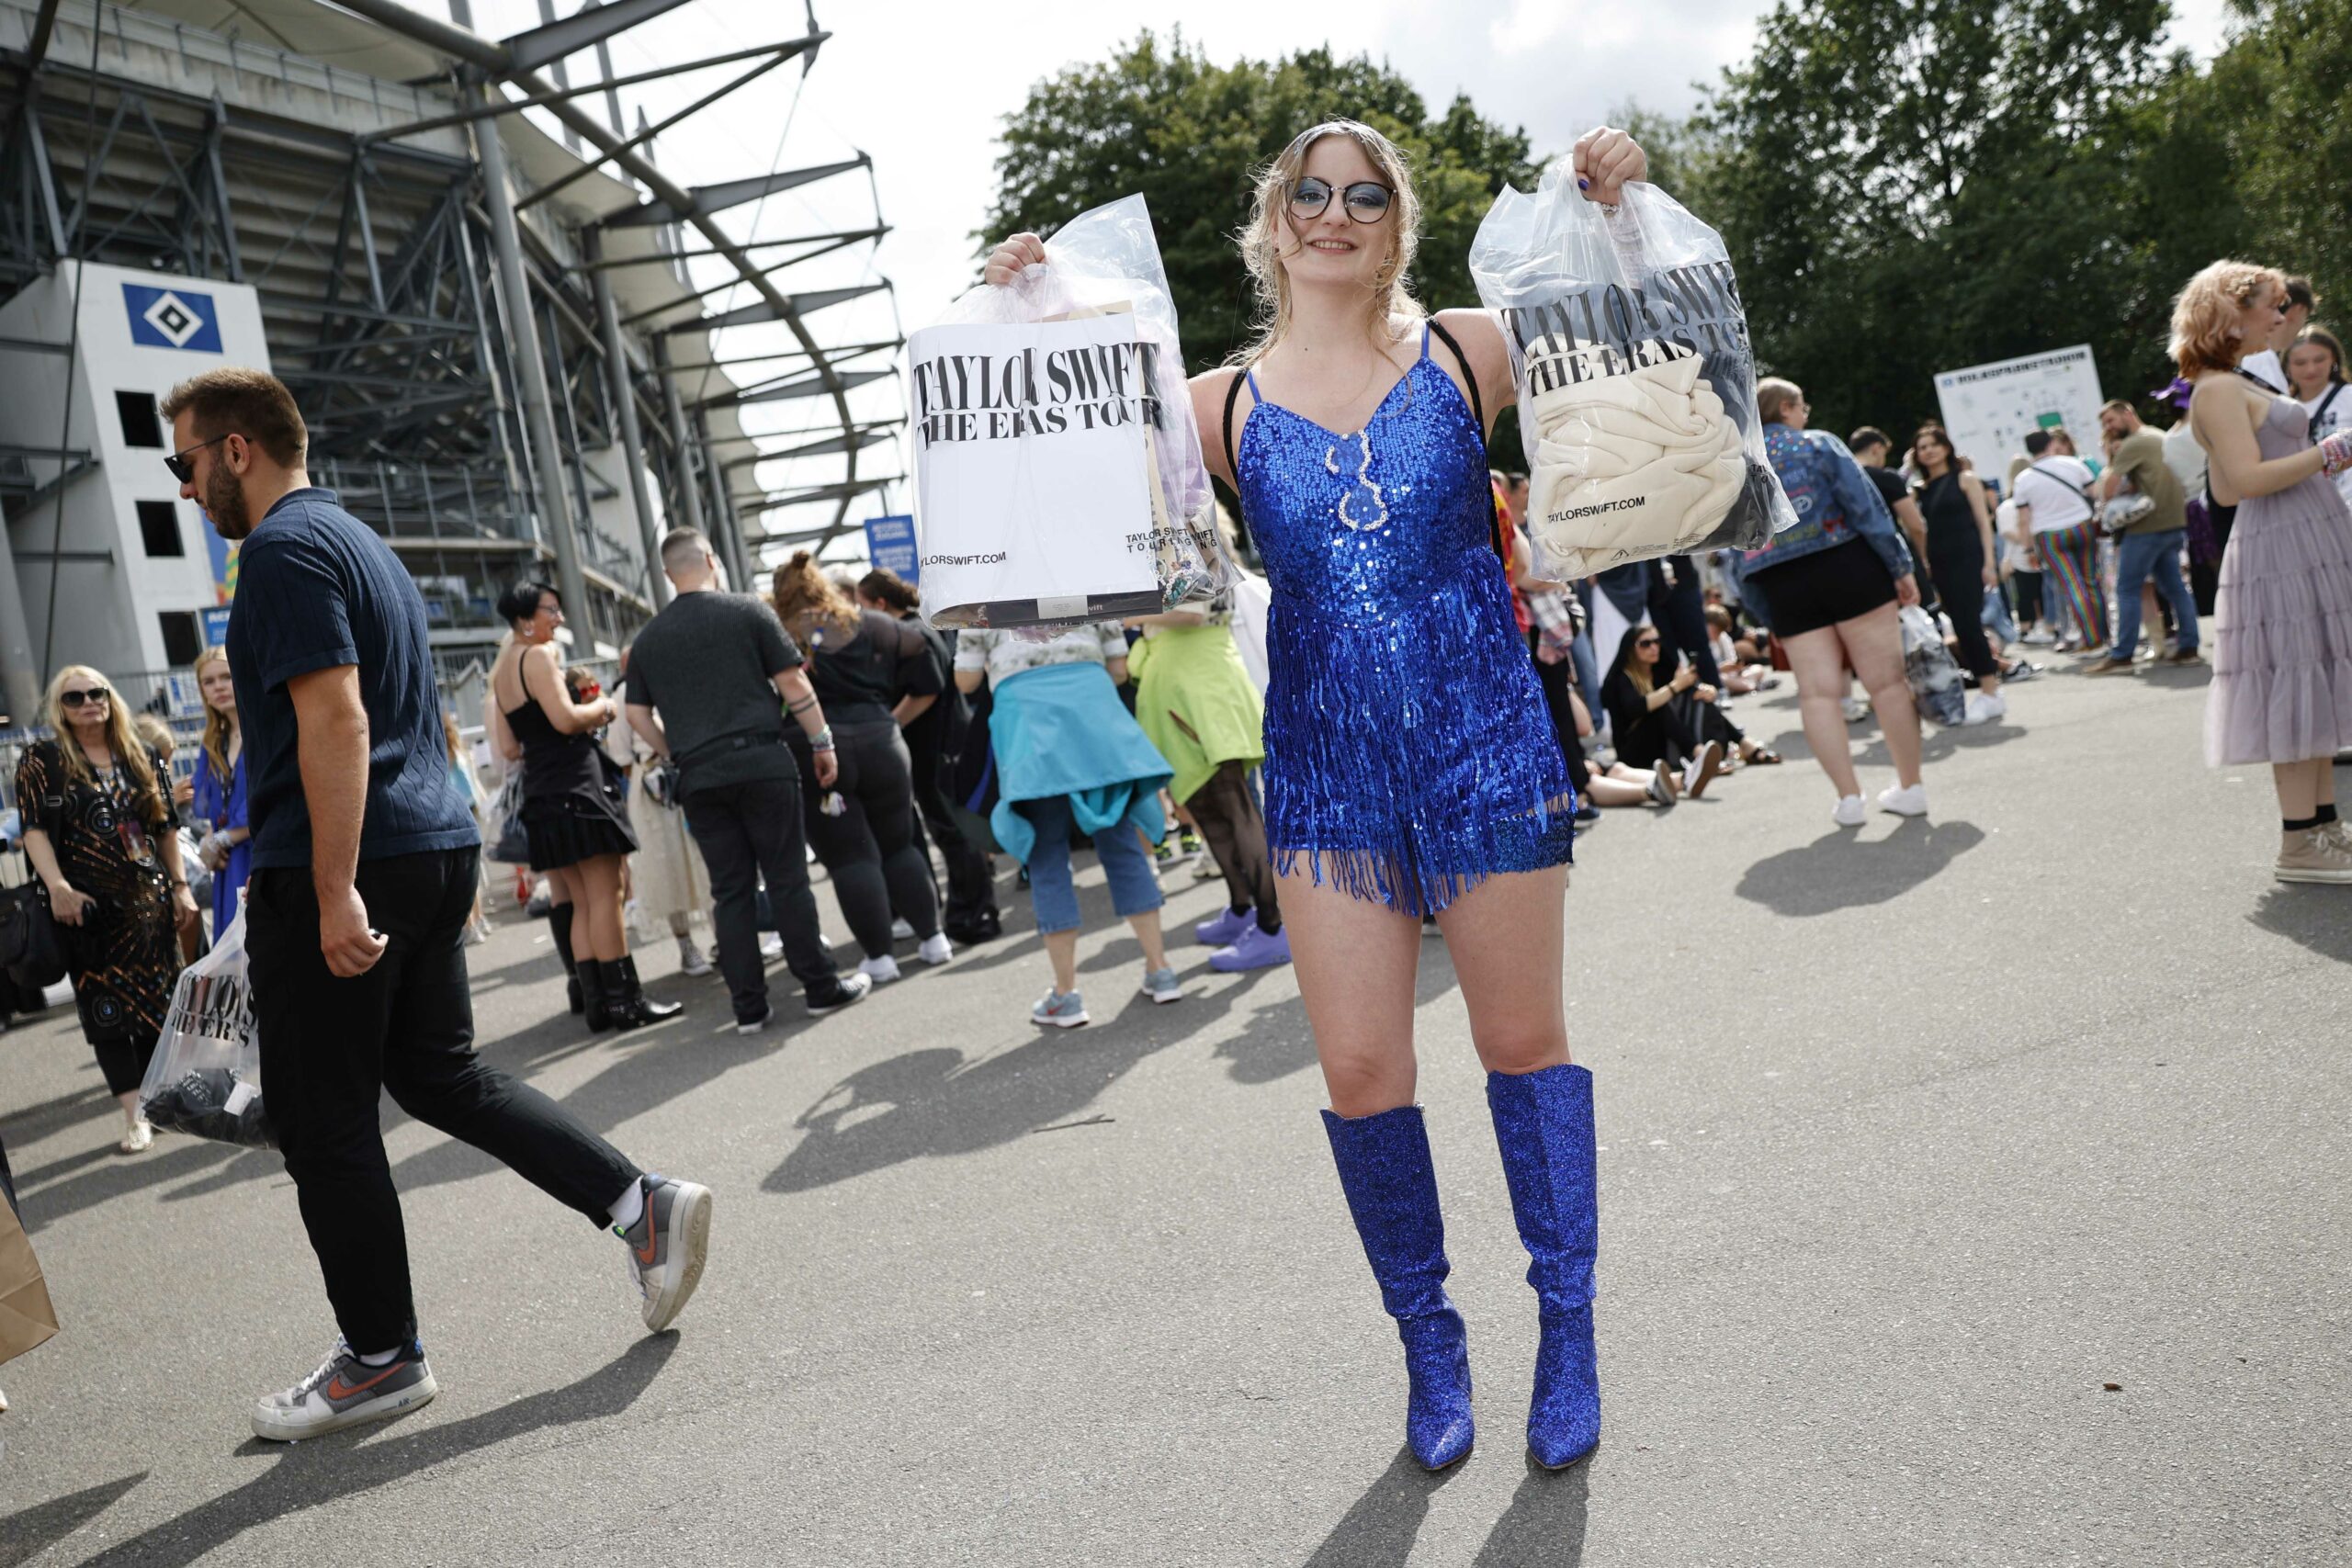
(1410, 763)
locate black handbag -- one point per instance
(31, 949)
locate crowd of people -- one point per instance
(1400, 725)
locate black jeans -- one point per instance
(331, 1046)
(971, 888)
(1674, 734)
(745, 830)
(868, 846)
(1680, 612)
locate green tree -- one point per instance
(1159, 118)
(1905, 188)
(2278, 104)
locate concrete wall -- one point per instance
(106, 609)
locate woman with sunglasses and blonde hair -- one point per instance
(102, 833)
(217, 792)
(2282, 615)
(1410, 765)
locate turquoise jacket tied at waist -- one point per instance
(1061, 729)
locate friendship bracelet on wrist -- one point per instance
(822, 740)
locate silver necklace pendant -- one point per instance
(1362, 505)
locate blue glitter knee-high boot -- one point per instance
(1543, 1122)
(1385, 1169)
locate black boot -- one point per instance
(632, 1008)
(595, 995)
(560, 928)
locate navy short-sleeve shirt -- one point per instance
(317, 588)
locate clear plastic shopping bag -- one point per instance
(1636, 381)
(205, 1077)
(1058, 476)
(1936, 685)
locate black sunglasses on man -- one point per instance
(184, 470)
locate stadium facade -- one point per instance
(502, 336)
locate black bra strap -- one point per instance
(1468, 379)
(1232, 396)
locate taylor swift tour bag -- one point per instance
(1636, 382)
(1058, 465)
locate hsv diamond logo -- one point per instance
(172, 318)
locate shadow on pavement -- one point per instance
(26, 1534)
(34, 1122)
(933, 1101)
(1836, 872)
(1378, 1532)
(107, 1173)
(327, 1470)
(2313, 916)
(1543, 1526)
(1277, 1041)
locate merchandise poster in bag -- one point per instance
(205, 1078)
(1636, 381)
(1058, 465)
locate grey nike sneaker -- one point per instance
(344, 1392)
(667, 1246)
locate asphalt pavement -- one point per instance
(1974, 1192)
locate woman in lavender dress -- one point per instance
(2282, 654)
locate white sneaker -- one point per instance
(1701, 769)
(1857, 709)
(935, 949)
(692, 960)
(1850, 812)
(900, 931)
(1983, 708)
(881, 971)
(138, 1136)
(2038, 638)
(772, 947)
(1912, 802)
(344, 1392)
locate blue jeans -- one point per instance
(1588, 673)
(1997, 619)
(1135, 885)
(2136, 554)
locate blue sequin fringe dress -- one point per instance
(1409, 754)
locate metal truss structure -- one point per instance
(495, 334)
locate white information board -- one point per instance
(1989, 409)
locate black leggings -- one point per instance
(868, 842)
(1958, 572)
(124, 1062)
(1226, 810)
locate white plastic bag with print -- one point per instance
(1934, 675)
(1058, 476)
(1636, 382)
(205, 1077)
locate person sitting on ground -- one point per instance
(1618, 785)
(1674, 722)
(1743, 670)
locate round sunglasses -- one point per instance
(1367, 201)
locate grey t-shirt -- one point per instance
(707, 666)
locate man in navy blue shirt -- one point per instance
(365, 869)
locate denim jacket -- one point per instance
(1835, 501)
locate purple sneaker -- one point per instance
(1227, 928)
(1253, 949)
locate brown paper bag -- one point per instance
(26, 1317)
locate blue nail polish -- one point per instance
(1583, 183)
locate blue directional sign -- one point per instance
(890, 544)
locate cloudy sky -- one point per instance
(923, 86)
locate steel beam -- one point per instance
(829, 446)
(785, 390)
(792, 307)
(847, 351)
(530, 364)
(837, 239)
(776, 499)
(499, 104)
(557, 40)
(631, 440)
(591, 165)
(704, 200)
